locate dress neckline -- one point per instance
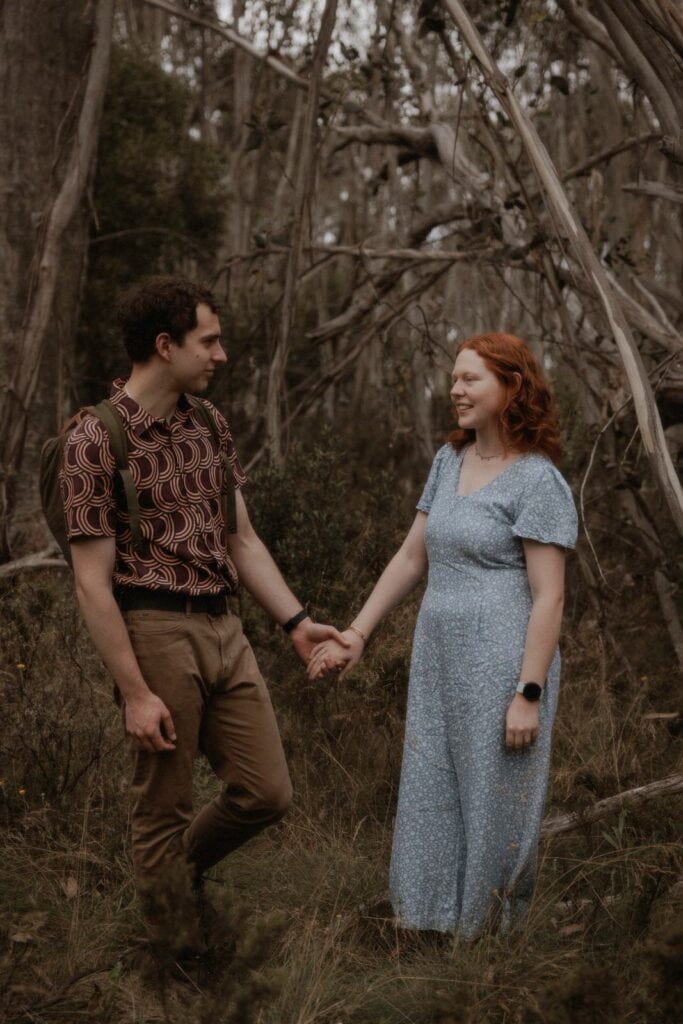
(489, 483)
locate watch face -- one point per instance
(532, 691)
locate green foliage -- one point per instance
(157, 201)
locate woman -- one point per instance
(493, 524)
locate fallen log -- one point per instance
(603, 808)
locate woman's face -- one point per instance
(477, 394)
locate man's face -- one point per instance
(194, 363)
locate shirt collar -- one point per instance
(139, 420)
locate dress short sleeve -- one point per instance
(546, 510)
(429, 492)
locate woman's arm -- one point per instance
(401, 575)
(545, 570)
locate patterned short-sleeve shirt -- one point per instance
(178, 474)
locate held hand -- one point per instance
(307, 634)
(330, 655)
(521, 723)
(149, 722)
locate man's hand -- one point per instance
(149, 722)
(307, 634)
(521, 723)
(330, 655)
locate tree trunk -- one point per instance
(303, 195)
(49, 129)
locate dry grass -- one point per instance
(309, 939)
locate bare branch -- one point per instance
(233, 37)
(420, 140)
(637, 315)
(639, 67)
(112, 236)
(587, 165)
(304, 187)
(589, 26)
(38, 560)
(359, 251)
(279, 66)
(628, 798)
(656, 189)
(647, 413)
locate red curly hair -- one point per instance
(528, 419)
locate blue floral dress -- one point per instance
(469, 811)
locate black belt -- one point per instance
(137, 598)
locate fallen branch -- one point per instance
(629, 798)
(38, 560)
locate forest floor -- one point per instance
(307, 935)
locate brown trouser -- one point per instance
(205, 672)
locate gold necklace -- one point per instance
(486, 458)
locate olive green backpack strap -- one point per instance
(111, 420)
(228, 489)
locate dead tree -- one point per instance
(65, 184)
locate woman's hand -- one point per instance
(521, 723)
(331, 655)
(309, 635)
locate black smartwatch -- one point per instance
(530, 691)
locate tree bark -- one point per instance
(303, 194)
(47, 248)
(640, 69)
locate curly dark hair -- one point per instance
(529, 418)
(158, 305)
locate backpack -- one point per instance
(52, 455)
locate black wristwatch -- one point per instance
(530, 691)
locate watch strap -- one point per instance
(295, 620)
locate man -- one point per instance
(158, 613)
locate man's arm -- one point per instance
(147, 718)
(264, 581)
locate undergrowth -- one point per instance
(308, 934)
